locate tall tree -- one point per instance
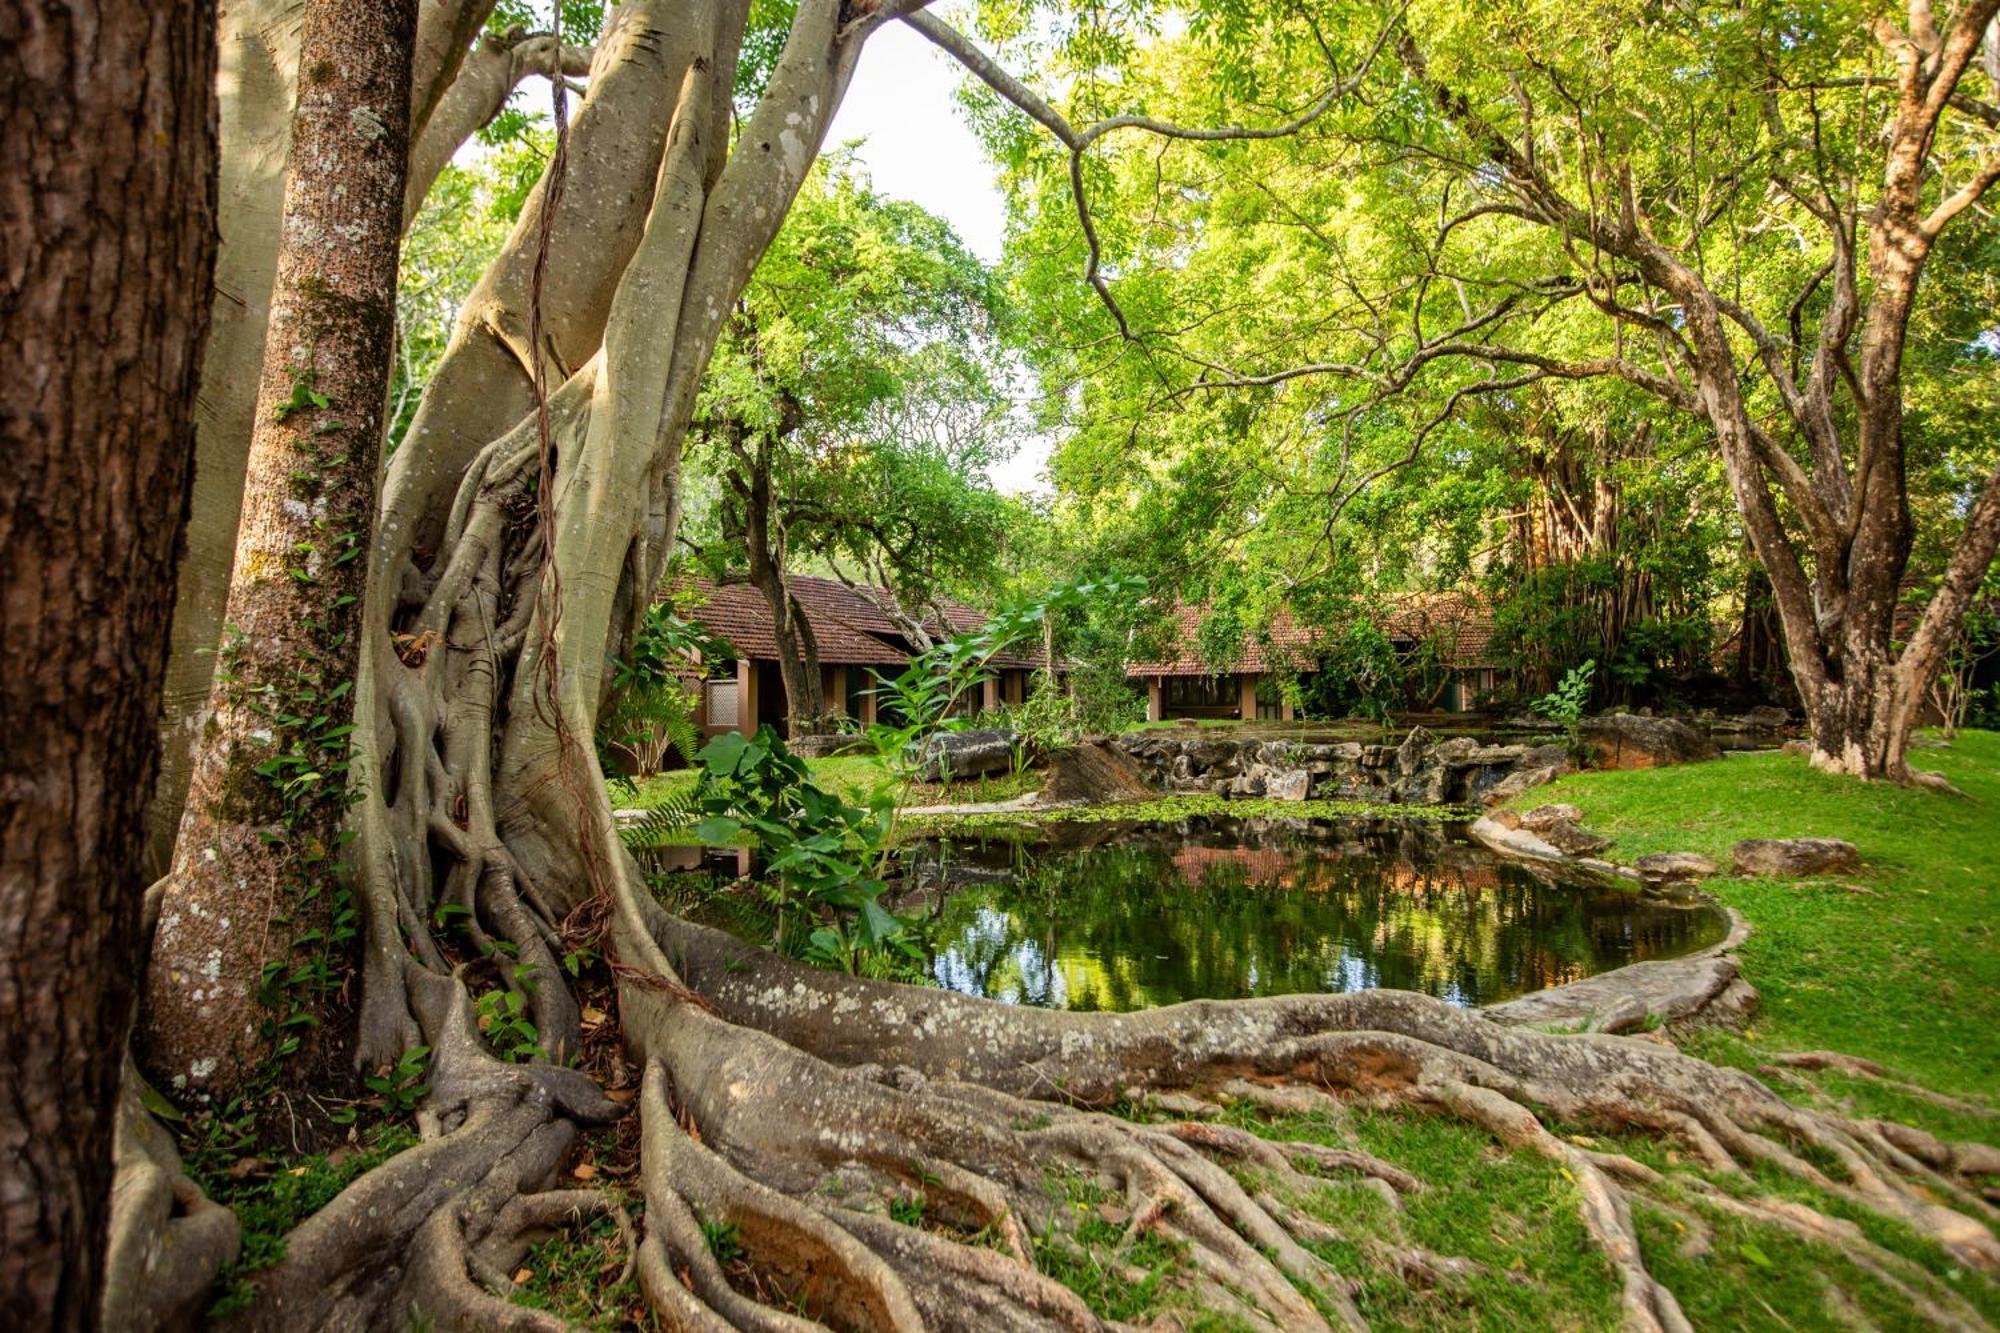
(255, 870)
(107, 221)
(457, 86)
(1729, 214)
(525, 519)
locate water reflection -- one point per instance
(1110, 917)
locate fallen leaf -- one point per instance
(621, 1094)
(592, 1016)
(523, 1275)
(584, 1171)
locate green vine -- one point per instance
(297, 793)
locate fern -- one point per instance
(677, 811)
(646, 718)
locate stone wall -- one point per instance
(1423, 770)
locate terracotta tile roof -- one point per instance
(1286, 646)
(1461, 622)
(850, 629)
(739, 614)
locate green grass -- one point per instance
(1513, 1213)
(1895, 961)
(1167, 809)
(270, 1198)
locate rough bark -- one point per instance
(259, 42)
(255, 868)
(107, 216)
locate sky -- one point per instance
(916, 145)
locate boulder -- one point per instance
(952, 756)
(1787, 858)
(1765, 717)
(1546, 816)
(1525, 778)
(1626, 740)
(1292, 784)
(1674, 867)
(1412, 752)
(1092, 772)
(1571, 839)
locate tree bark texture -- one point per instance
(254, 876)
(259, 43)
(107, 224)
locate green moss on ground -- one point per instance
(855, 777)
(1168, 809)
(1895, 961)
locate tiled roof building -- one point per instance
(1185, 684)
(855, 637)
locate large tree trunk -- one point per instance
(258, 83)
(107, 218)
(506, 571)
(256, 867)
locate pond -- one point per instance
(1110, 916)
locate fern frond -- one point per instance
(678, 811)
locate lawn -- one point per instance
(1896, 961)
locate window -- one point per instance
(1202, 696)
(722, 703)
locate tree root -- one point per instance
(1856, 1067)
(168, 1241)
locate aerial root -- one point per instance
(168, 1240)
(1283, 1158)
(1647, 1303)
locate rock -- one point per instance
(1792, 857)
(1765, 717)
(1410, 754)
(1673, 867)
(1523, 779)
(1248, 785)
(951, 756)
(1803, 749)
(1571, 839)
(1626, 740)
(1293, 784)
(1543, 816)
(1092, 772)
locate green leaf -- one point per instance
(877, 923)
(718, 831)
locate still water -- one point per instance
(1117, 917)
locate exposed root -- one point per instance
(168, 1241)
(1856, 1067)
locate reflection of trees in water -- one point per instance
(1226, 908)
